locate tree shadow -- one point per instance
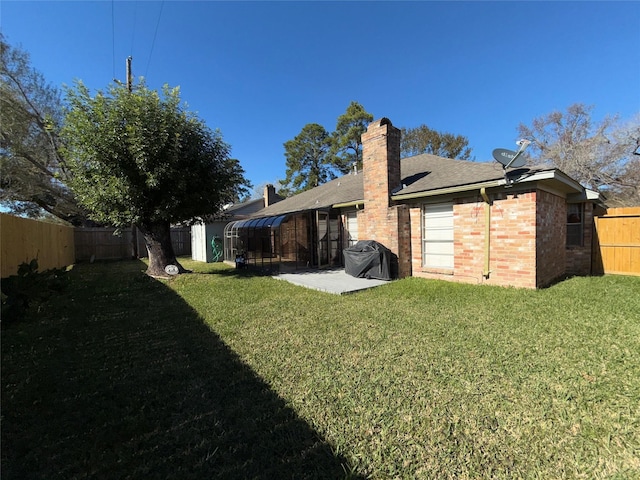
(120, 378)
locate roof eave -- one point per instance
(354, 203)
(448, 190)
(567, 183)
(558, 176)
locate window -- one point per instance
(351, 219)
(575, 224)
(437, 236)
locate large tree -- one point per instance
(314, 156)
(141, 158)
(347, 147)
(422, 139)
(599, 154)
(33, 176)
(308, 158)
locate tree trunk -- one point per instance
(157, 238)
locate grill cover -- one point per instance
(368, 259)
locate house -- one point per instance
(206, 235)
(441, 218)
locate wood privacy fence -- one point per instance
(617, 242)
(102, 244)
(23, 240)
(56, 246)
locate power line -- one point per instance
(133, 30)
(153, 43)
(113, 39)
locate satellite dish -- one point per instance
(171, 269)
(511, 159)
(508, 158)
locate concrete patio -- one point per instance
(331, 281)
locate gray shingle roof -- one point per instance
(421, 173)
(341, 190)
(429, 172)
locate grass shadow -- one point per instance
(119, 378)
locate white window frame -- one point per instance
(351, 230)
(437, 236)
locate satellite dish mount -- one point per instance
(511, 159)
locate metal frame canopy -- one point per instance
(288, 241)
(256, 240)
(261, 222)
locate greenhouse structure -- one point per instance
(281, 243)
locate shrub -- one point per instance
(29, 288)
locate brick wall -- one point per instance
(527, 240)
(380, 221)
(513, 232)
(469, 238)
(551, 221)
(512, 257)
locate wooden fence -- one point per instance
(23, 240)
(617, 242)
(102, 244)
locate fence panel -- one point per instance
(181, 239)
(102, 244)
(24, 239)
(617, 242)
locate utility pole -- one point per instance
(129, 78)
(134, 228)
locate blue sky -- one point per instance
(260, 71)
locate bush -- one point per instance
(29, 288)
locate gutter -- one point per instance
(555, 175)
(356, 203)
(552, 174)
(444, 191)
(487, 232)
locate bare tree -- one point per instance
(597, 154)
(33, 176)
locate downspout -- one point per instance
(487, 232)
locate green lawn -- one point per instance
(222, 374)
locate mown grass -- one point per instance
(415, 379)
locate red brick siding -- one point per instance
(469, 232)
(512, 260)
(380, 221)
(551, 220)
(513, 237)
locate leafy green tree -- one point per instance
(422, 139)
(33, 176)
(599, 154)
(308, 160)
(347, 148)
(141, 158)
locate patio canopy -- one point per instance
(262, 222)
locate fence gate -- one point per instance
(617, 242)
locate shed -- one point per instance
(205, 234)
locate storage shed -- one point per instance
(205, 235)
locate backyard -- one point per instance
(226, 374)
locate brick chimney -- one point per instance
(381, 163)
(269, 195)
(381, 220)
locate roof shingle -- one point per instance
(420, 173)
